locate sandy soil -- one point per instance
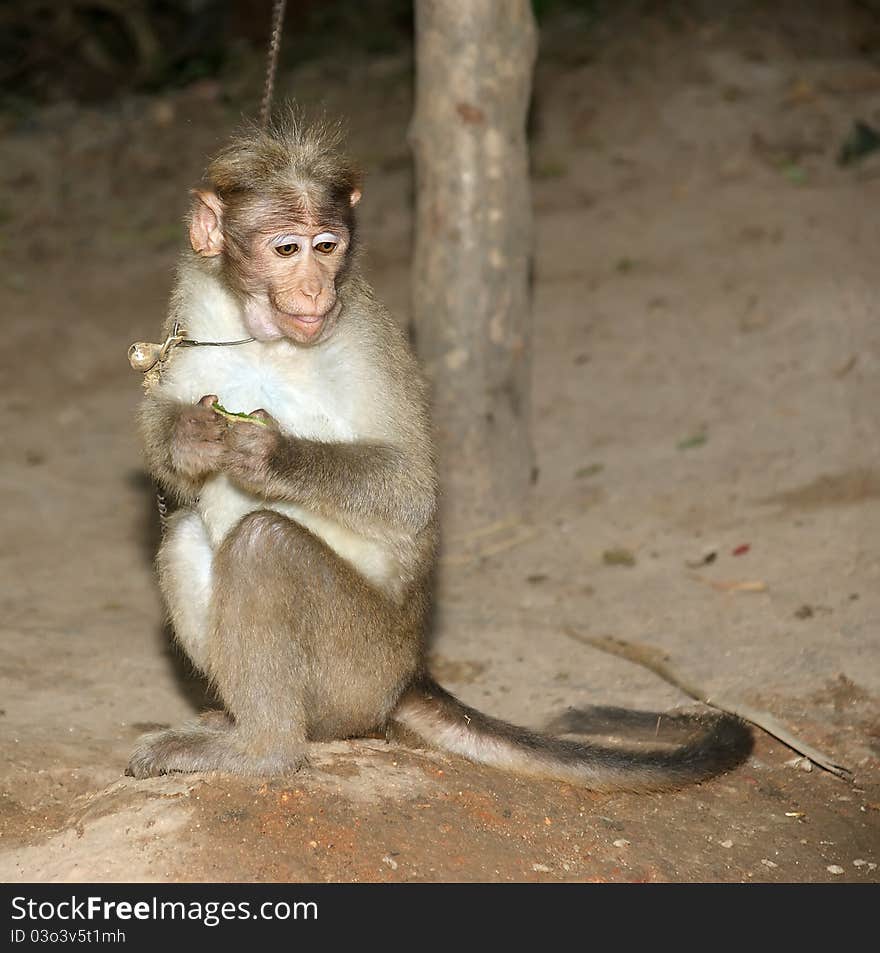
(705, 379)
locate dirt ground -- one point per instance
(707, 349)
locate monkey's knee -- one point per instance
(266, 547)
(261, 529)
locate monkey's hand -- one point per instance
(250, 448)
(197, 441)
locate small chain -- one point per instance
(272, 61)
(162, 507)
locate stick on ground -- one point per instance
(655, 660)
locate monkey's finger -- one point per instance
(201, 428)
(208, 400)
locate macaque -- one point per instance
(297, 566)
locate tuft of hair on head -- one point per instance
(290, 155)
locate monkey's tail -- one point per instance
(444, 722)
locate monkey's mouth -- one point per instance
(307, 325)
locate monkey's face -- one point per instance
(284, 267)
(290, 281)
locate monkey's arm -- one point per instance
(361, 484)
(183, 443)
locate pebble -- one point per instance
(621, 842)
(541, 868)
(726, 844)
(771, 865)
(390, 861)
(834, 869)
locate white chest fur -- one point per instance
(313, 393)
(302, 389)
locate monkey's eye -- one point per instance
(325, 243)
(287, 249)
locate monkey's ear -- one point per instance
(355, 196)
(206, 224)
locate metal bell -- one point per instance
(144, 356)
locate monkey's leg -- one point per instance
(186, 574)
(301, 649)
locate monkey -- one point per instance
(297, 567)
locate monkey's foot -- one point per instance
(198, 747)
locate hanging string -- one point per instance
(272, 60)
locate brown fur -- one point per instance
(302, 643)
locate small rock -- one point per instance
(541, 868)
(390, 861)
(771, 865)
(834, 869)
(859, 863)
(621, 842)
(706, 559)
(726, 844)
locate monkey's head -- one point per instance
(279, 213)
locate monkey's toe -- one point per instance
(155, 753)
(139, 770)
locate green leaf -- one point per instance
(218, 408)
(697, 440)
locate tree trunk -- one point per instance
(474, 61)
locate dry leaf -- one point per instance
(752, 585)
